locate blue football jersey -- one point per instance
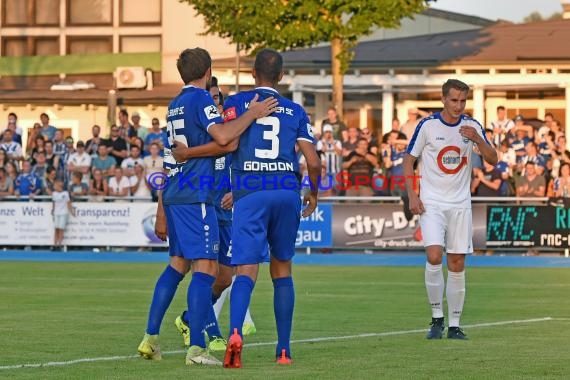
(222, 187)
(266, 157)
(188, 117)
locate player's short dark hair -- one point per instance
(500, 108)
(192, 64)
(454, 83)
(268, 65)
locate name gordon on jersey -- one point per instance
(257, 166)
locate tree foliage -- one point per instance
(537, 16)
(289, 24)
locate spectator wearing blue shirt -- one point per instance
(155, 135)
(27, 184)
(48, 131)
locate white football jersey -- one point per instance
(445, 160)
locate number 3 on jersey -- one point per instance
(270, 135)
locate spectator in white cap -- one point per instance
(137, 129)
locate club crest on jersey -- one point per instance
(211, 112)
(450, 161)
(310, 130)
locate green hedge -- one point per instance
(76, 64)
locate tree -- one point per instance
(289, 24)
(537, 16)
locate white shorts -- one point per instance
(451, 228)
(60, 221)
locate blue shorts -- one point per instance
(192, 231)
(225, 254)
(265, 218)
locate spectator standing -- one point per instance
(59, 144)
(366, 134)
(48, 130)
(104, 162)
(98, 187)
(117, 146)
(92, 145)
(48, 186)
(13, 118)
(360, 163)
(51, 158)
(139, 184)
(560, 186)
(339, 128)
(78, 188)
(331, 151)
(501, 127)
(61, 208)
(6, 184)
(15, 135)
(133, 160)
(410, 125)
(155, 135)
(124, 127)
(80, 162)
(119, 185)
(39, 146)
(32, 136)
(40, 168)
(349, 145)
(531, 184)
(13, 149)
(487, 182)
(27, 184)
(137, 130)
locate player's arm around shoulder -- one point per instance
(234, 126)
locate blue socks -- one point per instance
(239, 301)
(199, 306)
(164, 291)
(212, 327)
(283, 305)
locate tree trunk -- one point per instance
(338, 77)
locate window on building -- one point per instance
(26, 46)
(46, 46)
(140, 12)
(140, 44)
(30, 12)
(89, 44)
(89, 12)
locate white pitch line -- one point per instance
(311, 340)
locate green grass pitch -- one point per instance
(53, 312)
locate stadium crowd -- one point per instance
(533, 160)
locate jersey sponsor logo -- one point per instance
(450, 160)
(211, 112)
(230, 114)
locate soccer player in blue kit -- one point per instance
(267, 209)
(185, 210)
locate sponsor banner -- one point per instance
(528, 226)
(384, 226)
(374, 225)
(315, 231)
(95, 224)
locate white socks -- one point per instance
(434, 286)
(455, 293)
(220, 301)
